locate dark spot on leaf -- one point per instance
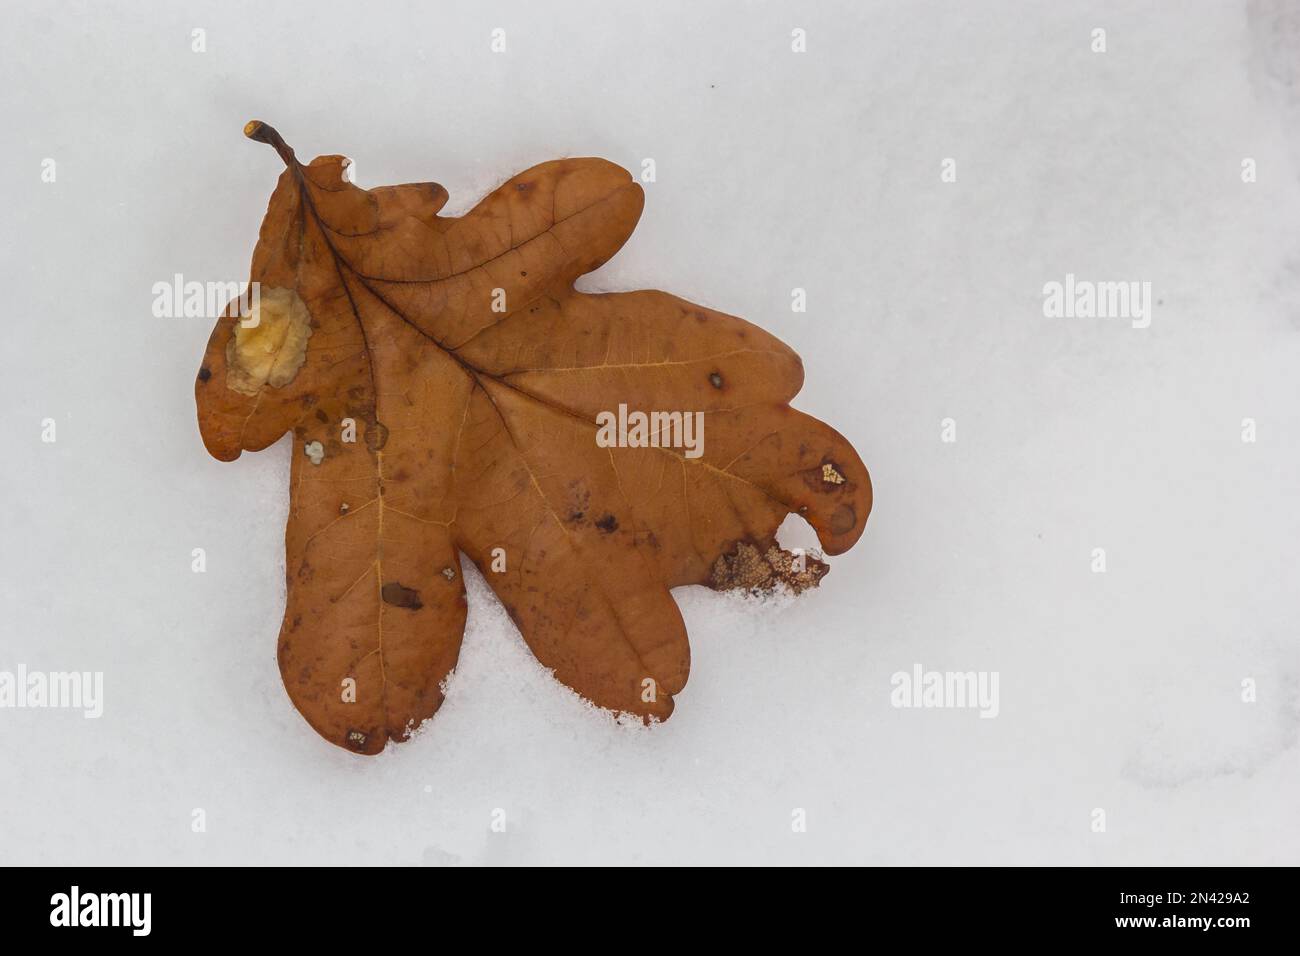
(607, 524)
(843, 520)
(399, 595)
(715, 379)
(376, 436)
(321, 416)
(579, 499)
(204, 374)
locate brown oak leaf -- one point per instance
(446, 388)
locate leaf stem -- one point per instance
(264, 133)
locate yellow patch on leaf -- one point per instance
(270, 345)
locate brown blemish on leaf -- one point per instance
(827, 479)
(843, 520)
(715, 379)
(607, 524)
(749, 569)
(272, 346)
(830, 475)
(205, 373)
(579, 500)
(399, 595)
(376, 436)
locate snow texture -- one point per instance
(775, 170)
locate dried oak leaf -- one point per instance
(428, 422)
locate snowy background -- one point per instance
(775, 170)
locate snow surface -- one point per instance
(775, 170)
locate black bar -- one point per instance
(1147, 905)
